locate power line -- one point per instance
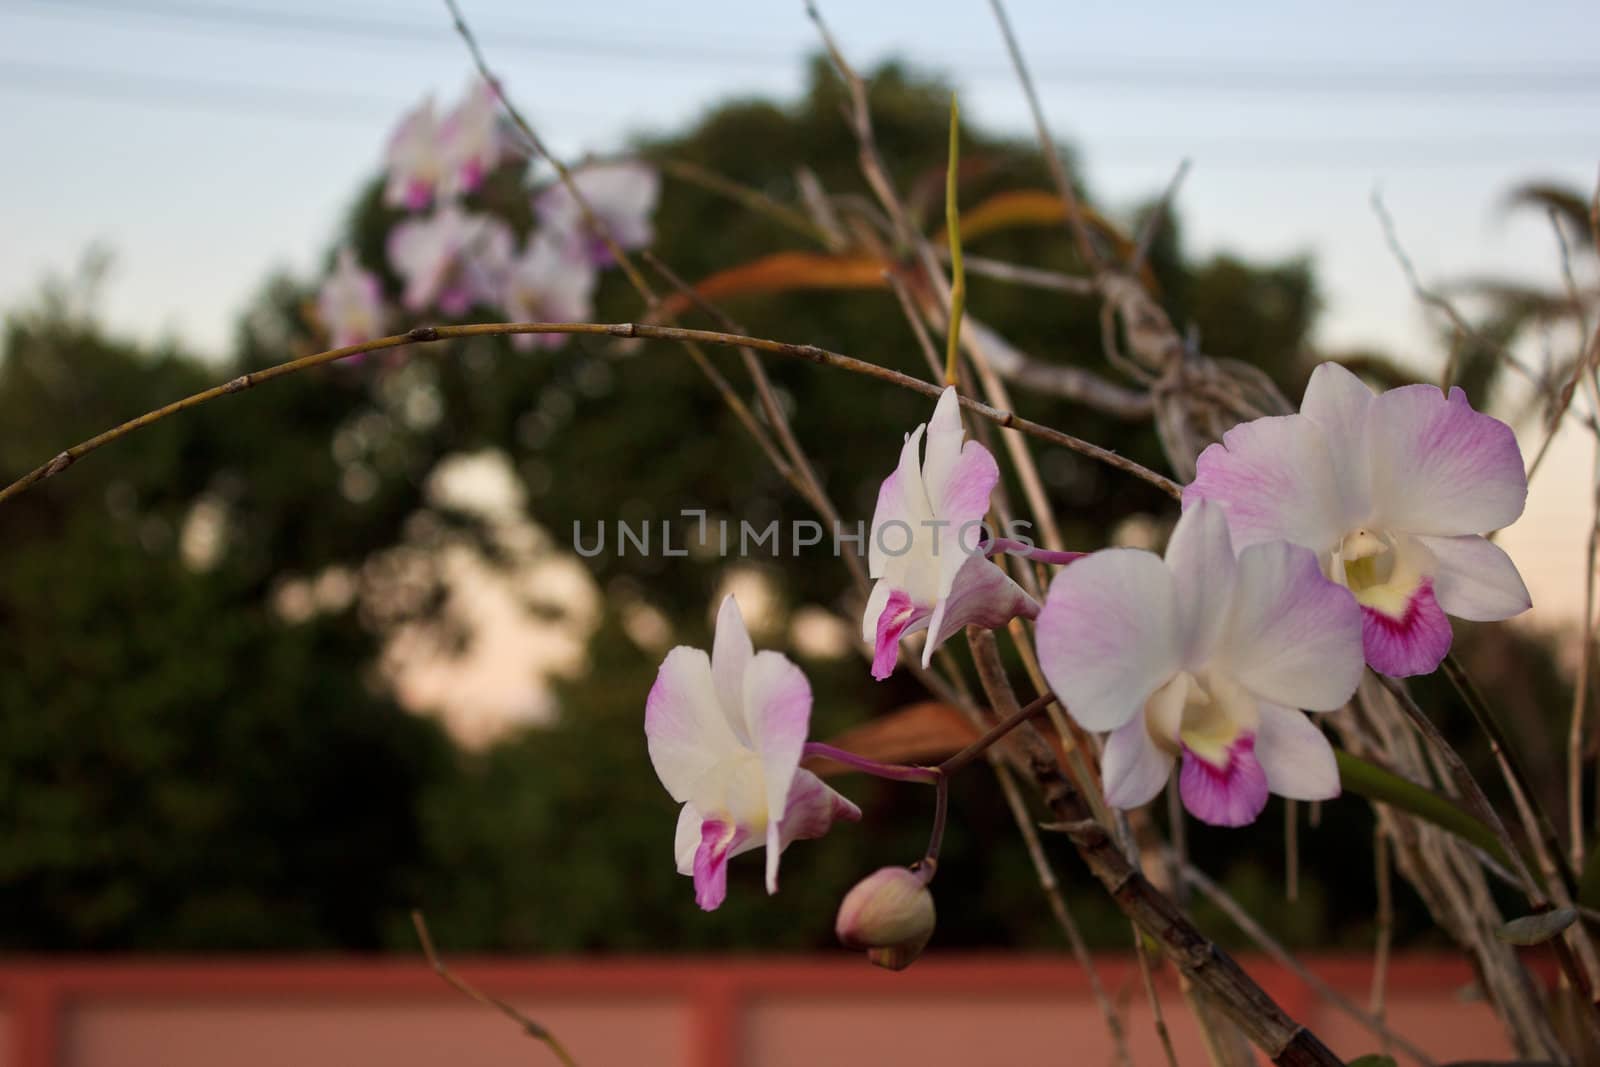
(1262, 152)
(1128, 74)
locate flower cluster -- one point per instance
(1310, 547)
(450, 256)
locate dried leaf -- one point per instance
(784, 272)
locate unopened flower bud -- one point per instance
(889, 914)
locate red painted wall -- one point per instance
(837, 1011)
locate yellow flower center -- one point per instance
(1203, 712)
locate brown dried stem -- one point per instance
(529, 1027)
(429, 334)
(1244, 1002)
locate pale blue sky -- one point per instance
(207, 141)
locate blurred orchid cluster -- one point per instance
(450, 254)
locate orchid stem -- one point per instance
(941, 812)
(997, 546)
(938, 777)
(894, 772)
(975, 750)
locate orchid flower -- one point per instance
(350, 303)
(725, 734)
(1203, 657)
(548, 284)
(415, 159)
(925, 548)
(1392, 493)
(451, 260)
(472, 140)
(622, 197)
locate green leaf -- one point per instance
(1372, 1059)
(1537, 929)
(1375, 783)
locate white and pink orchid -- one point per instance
(432, 158)
(473, 140)
(1203, 657)
(1392, 492)
(415, 159)
(350, 302)
(451, 259)
(622, 197)
(925, 549)
(725, 734)
(548, 284)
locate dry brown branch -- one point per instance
(455, 981)
(1235, 993)
(430, 334)
(1270, 945)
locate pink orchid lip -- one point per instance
(1231, 795)
(1414, 643)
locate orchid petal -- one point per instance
(1441, 468)
(1408, 642)
(1133, 766)
(1108, 636)
(961, 502)
(686, 839)
(1200, 556)
(891, 508)
(899, 618)
(1275, 479)
(777, 701)
(687, 733)
(944, 437)
(1295, 755)
(1233, 795)
(902, 548)
(1474, 579)
(1338, 402)
(812, 807)
(731, 652)
(717, 840)
(1293, 637)
(982, 595)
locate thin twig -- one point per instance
(1471, 792)
(1580, 693)
(1270, 945)
(1158, 215)
(752, 199)
(1377, 1002)
(529, 1027)
(1052, 157)
(1157, 1014)
(1034, 277)
(1432, 299)
(958, 273)
(429, 334)
(806, 480)
(991, 673)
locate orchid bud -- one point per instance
(889, 913)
